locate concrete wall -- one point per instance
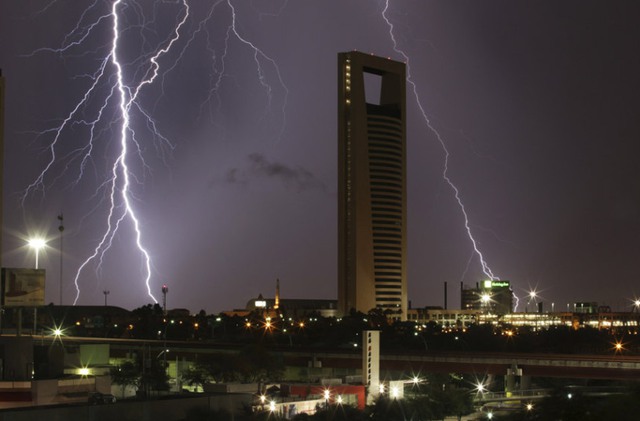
(250, 388)
(44, 392)
(165, 410)
(17, 358)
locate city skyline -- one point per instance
(537, 105)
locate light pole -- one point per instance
(165, 289)
(61, 228)
(485, 299)
(37, 244)
(533, 295)
(106, 292)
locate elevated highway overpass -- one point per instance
(614, 366)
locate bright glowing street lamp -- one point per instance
(533, 295)
(618, 346)
(485, 300)
(37, 244)
(479, 387)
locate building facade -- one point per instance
(372, 229)
(492, 296)
(2, 89)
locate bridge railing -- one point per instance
(518, 394)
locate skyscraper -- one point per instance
(1, 156)
(372, 214)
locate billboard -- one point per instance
(489, 284)
(22, 287)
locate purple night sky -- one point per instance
(538, 104)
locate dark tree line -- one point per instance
(568, 404)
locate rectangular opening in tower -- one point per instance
(372, 88)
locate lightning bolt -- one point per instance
(219, 61)
(515, 306)
(123, 82)
(257, 54)
(445, 171)
(121, 174)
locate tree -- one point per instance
(335, 413)
(458, 402)
(126, 374)
(155, 377)
(222, 368)
(256, 364)
(206, 414)
(387, 409)
(427, 407)
(148, 321)
(197, 375)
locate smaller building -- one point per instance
(294, 307)
(446, 318)
(291, 307)
(335, 394)
(491, 296)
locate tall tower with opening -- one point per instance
(372, 196)
(2, 89)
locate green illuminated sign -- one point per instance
(496, 284)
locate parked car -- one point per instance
(98, 398)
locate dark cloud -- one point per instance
(292, 177)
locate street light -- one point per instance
(479, 387)
(37, 244)
(618, 346)
(533, 295)
(485, 299)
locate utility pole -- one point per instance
(105, 292)
(61, 228)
